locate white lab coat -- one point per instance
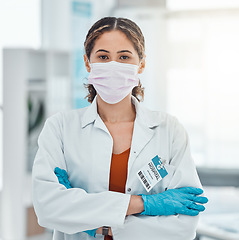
(79, 142)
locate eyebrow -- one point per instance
(121, 51)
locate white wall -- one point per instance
(19, 27)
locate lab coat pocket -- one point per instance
(165, 182)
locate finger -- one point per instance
(62, 177)
(202, 200)
(194, 206)
(198, 207)
(197, 199)
(59, 176)
(65, 182)
(187, 211)
(60, 172)
(191, 190)
(57, 170)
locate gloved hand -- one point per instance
(63, 179)
(174, 201)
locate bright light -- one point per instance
(203, 84)
(202, 4)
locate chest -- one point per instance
(88, 154)
(122, 135)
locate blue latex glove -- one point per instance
(174, 201)
(63, 179)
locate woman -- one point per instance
(131, 175)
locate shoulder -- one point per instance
(158, 118)
(167, 124)
(63, 117)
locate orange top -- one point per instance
(118, 174)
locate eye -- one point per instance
(124, 57)
(103, 57)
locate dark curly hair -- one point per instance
(133, 33)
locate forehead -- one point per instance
(113, 40)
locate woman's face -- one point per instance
(114, 46)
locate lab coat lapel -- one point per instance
(101, 144)
(91, 115)
(143, 131)
(141, 136)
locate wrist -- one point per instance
(99, 230)
(136, 205)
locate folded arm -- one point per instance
(69, 210)
(173, 227)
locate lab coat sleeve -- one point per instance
(69, 210)
(174, 227)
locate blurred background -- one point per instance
(192, 72)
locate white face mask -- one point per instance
(113, 81)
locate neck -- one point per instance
(123, 111)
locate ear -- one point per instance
(87, 64)
(142, 65)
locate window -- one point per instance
(203, 81)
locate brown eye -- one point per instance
(103, 57)
(124, 57)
